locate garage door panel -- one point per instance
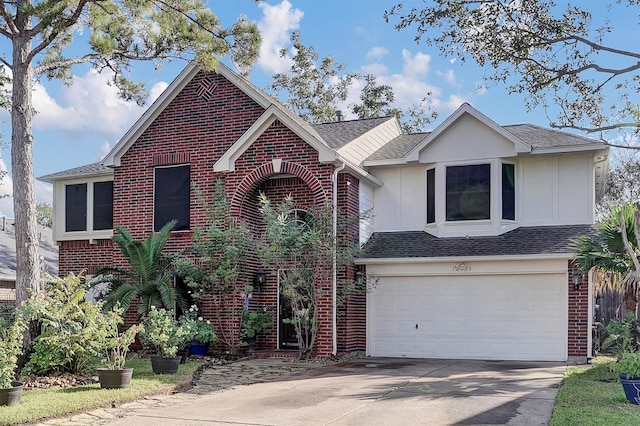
(521, 317)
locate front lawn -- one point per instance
(593, 396)
(44, 403)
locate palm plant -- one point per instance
(149, 275)
(613, 248)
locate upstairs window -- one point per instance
(508, 192)
(171, 197)
(468, 192)
(103, 205)
(75, 206)
(431, 195)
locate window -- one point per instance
(431, 195)
(508, 192)
(468, 192)
(75, 205)
(171, 197)
(103, 205)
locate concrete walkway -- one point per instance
(370, 391)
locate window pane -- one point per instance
(103, 205)
(508, 192)
(171, 197)
(431, 195)
(468, 192)
(75, 205)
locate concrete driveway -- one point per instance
(379, 391)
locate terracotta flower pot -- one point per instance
(161, 365)
(12, 395)
(115, 379)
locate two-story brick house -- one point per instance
(468, 241)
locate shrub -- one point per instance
(10, 348)
(72, 332)
(164, 333)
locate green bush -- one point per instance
(73, 330)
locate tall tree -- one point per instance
(111, 35)
(622, 186)
(560, 55)
(314, 86)
(378, 100)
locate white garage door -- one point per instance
(504, 317)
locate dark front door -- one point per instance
(287, 338)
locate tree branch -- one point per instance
(39, 28)
(625, 238)
(64, 63)
(9, 20)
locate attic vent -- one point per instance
(277, 123)
(206, 88)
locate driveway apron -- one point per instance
(377, 391)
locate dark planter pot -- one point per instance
(161, 365)
(183, 354)
(251, 344)
(115, 379)
(198, 349)
(631, 386)
(12, 395)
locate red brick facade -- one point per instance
(578, 310)
(201, 123)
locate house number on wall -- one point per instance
(461, 267)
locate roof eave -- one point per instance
(440, 259)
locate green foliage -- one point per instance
(256, 322)
(149, 277)
(201, 330)
(622, 336)
(11, 338)
(219, 248)
(377, 101)
(628, 364)
(606, 249)
(313, 86)
(164, 332)
(73, 330)
(303, 249)
(117, 342)
(44, 212)
(562, 56)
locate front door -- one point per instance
(287, 338)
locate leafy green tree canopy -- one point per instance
(562, 55)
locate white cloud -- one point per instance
(103, 150)
(449, 76)
(377, 53)
(43, 192)
(481, 88)
(415, 66)
(275, 27)
(377, 69)
(90, 105)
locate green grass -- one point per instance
(45, 403)
(593, 396)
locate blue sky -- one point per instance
(78, 124)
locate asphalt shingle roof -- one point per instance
(340, 133)
(86, 170)
(520, 241)
(48, 250)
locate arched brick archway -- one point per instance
(263, 172)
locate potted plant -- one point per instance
(628, 369)
(167, 336)
(10, 348)
(254, 323)
(203, 334)
(116, 344)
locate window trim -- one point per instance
(490, 164)
(60, 215)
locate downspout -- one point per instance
(334, 178)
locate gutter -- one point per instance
(334, 195)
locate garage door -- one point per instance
(504, 317)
